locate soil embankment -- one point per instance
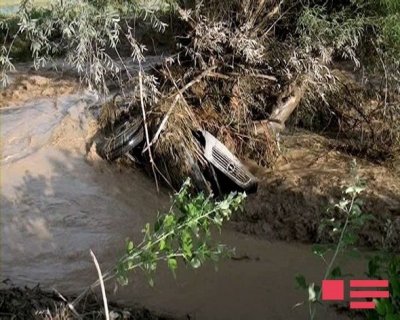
(309, 177)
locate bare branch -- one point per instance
(103, 290)
(148, 148)
(178, 95)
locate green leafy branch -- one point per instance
(89, 34)
(385, 265)
(346, 218)
(184, 233)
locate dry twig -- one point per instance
(178, 95)
(103, 290)
(148, 148)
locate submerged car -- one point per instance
(224, 170)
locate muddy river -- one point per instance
(57, 204)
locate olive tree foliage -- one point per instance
(89, 34)
(360, 36)
(365, 32)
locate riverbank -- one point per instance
(35, 303)
(58, 202)
(308, 178)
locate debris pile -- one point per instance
(35, 303)
(240, 74)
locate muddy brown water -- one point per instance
(57, 204)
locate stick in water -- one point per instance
(103, 290)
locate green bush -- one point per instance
(87, 33)
(364, 31)
(386, 265)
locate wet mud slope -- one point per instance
(308, 178)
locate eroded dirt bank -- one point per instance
(309, 177)
(35, 303)
(58, 202)
(26, 87)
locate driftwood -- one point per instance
(282, 111)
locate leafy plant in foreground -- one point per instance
(386, 266)
(183, 233)
(345, 219)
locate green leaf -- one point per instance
(172, 264)
(354, 190)
(162, 244)
(195, 263)
(383, 307)
(301, 282)
(224, 205)
(343, 203)
(336, 273)
(187, 246)
(129, 246)
(392, 317)
(169, 222)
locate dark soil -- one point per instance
(35, 303)
(307, 179)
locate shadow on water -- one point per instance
(51, 219)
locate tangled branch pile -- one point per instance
(35, 303)
(240, 73)
(222, 80)
(241, 69)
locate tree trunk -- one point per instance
(287, 103)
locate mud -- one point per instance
(307, 179)
(35, 303)
(27, 87)
(55, 79)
